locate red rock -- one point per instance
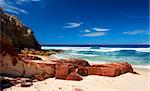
(112, 69)
(75, 62)
(124, 67)
(74, 76)
(94, 70)
(62, 71)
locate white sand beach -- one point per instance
(125, 82)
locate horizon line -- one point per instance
(91, 44)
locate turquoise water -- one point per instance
(135, 56)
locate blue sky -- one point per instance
(84, 21)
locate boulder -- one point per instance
(74, 76)
(111, 69)
(124, 67)
(62, 71)
(79, 62)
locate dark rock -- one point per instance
(26, 84)
(5, 83)
(39, 77)
(13, 82)
(82, 71)
(1, 11)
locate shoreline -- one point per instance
(100, 62)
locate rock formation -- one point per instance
(14, 32)
(15, 36)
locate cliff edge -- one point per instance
(15, 33)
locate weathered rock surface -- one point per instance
(65, 67)
(112, 69)
(15, 36)
(14, 31)
(12, 66)
(62, 71)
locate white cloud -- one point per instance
(10, 6)
(12, 11)
(94, 34)
(87, 30)
(73, 25)
(136, 32)
(26, 1)
(101, 29)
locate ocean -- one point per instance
(137, 55)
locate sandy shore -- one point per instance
(125, 82)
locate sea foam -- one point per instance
(101, 49)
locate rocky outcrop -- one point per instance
(15, 36)
(14, 31)
(14, 66)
